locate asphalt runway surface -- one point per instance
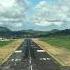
(30, 57)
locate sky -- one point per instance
(43, 15)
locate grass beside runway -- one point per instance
(3, 43)
(60, 54)
(63, 41)
(7, 50)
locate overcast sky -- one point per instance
(35, 14)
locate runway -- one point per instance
(30, 57)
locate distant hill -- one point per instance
(59, 32)
(4, 29)
(5, 32)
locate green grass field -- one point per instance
(63, 41)
(3, 43)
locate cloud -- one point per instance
(15, 26)
(6, 4)
(12, 13)
(11, 9)
(43, 15)
(47, 14)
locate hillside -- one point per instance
(4, 29)
(59, 32)
(5, 32)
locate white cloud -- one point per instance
(6, 4)
(42, 5)
(46, 14)
(11, 8)
(15, 26)
(14, 13)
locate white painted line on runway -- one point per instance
(48, 58)
(18, 51)
(40, 50)
(43, 59)
(31, 67)
(17, 60)
(12, 59)
(30, 60)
